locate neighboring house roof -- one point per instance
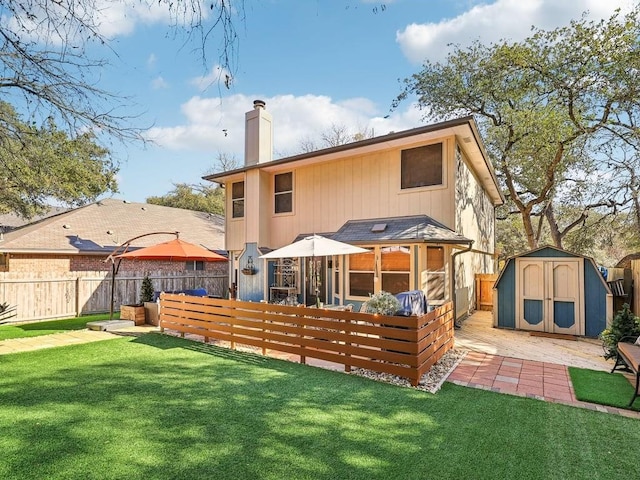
(100, 227)
(465, 129)
(11, 221)
(420, 228)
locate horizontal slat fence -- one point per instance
(403, 346)
(40, 296)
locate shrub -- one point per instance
(146, 291)
(383, 303)
(625, 324)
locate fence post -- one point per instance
(347, 366)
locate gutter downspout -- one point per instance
(453, 276)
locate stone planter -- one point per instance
(133, 312)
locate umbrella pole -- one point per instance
(113, 286)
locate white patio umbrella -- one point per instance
(314, 246)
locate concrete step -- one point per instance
(108, 325)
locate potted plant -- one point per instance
(625, 327)
(151, 308)
(383, 303)
(137, 311)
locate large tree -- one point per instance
(201, 198)
(49, 70)
(38, 163)
(544, 105)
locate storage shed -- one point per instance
(553, 291)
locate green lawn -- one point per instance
(36, 329)
(159, 407)
(603, 387)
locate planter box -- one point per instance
(152, 313)
(133, 312)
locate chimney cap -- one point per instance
(259, 104)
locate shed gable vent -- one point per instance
(379, 227)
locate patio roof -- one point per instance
(418, 228)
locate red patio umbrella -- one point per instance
(174, 250)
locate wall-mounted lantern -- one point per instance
(249, 268)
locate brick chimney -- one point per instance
(258, 135)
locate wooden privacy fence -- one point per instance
(39, 296)
(484, 290)
(403, 346)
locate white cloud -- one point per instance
(152, 60)
(207, 120)
(218, 76)
(503, 19)
(159, 83)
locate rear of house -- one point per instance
(420, 201)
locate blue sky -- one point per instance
(314, 62)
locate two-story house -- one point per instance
(421, 201)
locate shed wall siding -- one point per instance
(507, 296)
(595, 305)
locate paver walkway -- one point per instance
(16, 345)
(513, 362)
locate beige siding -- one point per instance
(329, 194)
(475, 220)
(474, 210)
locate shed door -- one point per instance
(531, 297)
(549, 296)
(564, 297)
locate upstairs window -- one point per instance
(237, 200)
(283, 189)
(421, 166)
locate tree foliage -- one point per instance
(546, 107)
(49, 71)
(201, 198)
(38, 163)
(336, 135)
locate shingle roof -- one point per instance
(421, 228)
(10, 221)
(101, 226)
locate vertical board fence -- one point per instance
(40, 296)
(403, 346)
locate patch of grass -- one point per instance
(603, 388)
(35, 329)
(163, 407)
